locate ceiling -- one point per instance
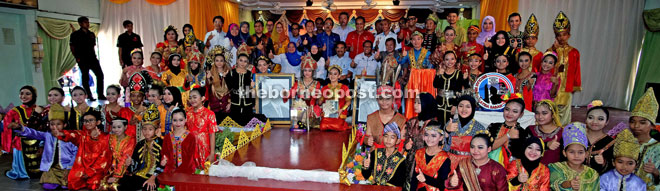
(354, 4)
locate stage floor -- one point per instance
(278, 148)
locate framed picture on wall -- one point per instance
(269, 88)
(364, 98)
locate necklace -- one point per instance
(478, 170)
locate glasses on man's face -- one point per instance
(89, 120)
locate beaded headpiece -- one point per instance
(626, 145)
(575, 133)
(151, 116)
(647, 106)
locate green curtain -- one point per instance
(648, 63)
(57, 55)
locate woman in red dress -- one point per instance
(169, 46)
(180, 147)
(335, 100)
(202, 124)
(112, 109)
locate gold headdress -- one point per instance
(56, 112)
(151, 116)
(647, 106)
(561, 23)
(532, 27)
(308, 62)
(335, 66)
(626, 145)
(218, 50)
(243, 49)
(190, 39)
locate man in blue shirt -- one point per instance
(327, 39)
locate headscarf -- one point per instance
(318, 54)
(280, 37)
(176, 97)
(486, 34)
(473, 103)
(497, 48)
(293, 58)
(244, 36)
(34, 94)
(526, 163)
(553, 108)
(236, 39)
(175, 70)
(429, 107)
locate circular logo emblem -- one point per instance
(489, 89)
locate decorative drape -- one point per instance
(500, 10)
(154, 2)
(57, 54)
(203, 11)
(149, 21)
(608, 34)
(647, 70)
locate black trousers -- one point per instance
(94, 65)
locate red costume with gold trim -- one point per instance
(92, 160)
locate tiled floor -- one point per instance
(579, 114)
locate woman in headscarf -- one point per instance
(527, 173)
(500, 46)
(461, 130)
(244, 33)
(488, 30)
(317, 55)
(289, 61)
(234, 35)
(427, 111)
(280, 36)
(23, 154)
(188, 28)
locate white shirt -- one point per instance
(219, 38)
(367, 63)
(320, 72)
(343, 62)
(286, 67)
(382, 38)
(343, 33)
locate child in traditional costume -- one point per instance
(386, 114)
(525, 79)
(432, 164)
(527, 173)
(121, 146)
(473, 70)
(79, 96)
(567, 68)
(180, 147)
(502, 132)
(641, 124)
(93, 156)
(472, 47)
(478, 172)
(25, 160)
(171, 100)
(449, 85)
(335, 106)
(460, 134)
(146, 159)
(549, 129)
(530, 37)
(139, 85)
(416, 64)
(58, 156)
(600, 144)
(572, 174)
(626, 151)
(112, 110)
(305, 92)
(545, 85)
(218, 91)
(202, 123)
(196, 70)
(387, 166)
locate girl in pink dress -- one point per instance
(546, 82)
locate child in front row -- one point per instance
(626, 154)
(387, 166)
(146, 161)
(572, 174)
(55, 169)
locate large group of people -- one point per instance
(420, 140)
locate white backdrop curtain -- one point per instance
(149, 21)
(608, 34)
